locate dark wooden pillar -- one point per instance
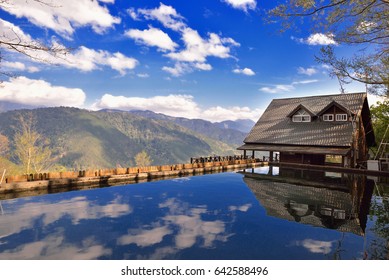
(253, 155)
(244, 154)
(271, 156)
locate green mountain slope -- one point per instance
(82, 139)
(227, 132)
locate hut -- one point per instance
(319, 130)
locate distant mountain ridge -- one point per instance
(243, 125)
(88, 139)
(10, 106)
(232, 132)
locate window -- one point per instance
(301, 116)
(341, 117)
(328, 117)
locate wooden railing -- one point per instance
(124, 171)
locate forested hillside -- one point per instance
(231, 132)
(81, 139)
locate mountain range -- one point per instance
(82, 139)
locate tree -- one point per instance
(4, 145)
(31, 149)
(380, 118)
(13, 39)
(142, 159)
(360, 23)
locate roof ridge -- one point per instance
(327, 95)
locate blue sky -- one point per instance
(210, 59)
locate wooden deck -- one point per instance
(332, 169)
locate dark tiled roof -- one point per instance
(275, 127)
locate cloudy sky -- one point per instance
(210, 59)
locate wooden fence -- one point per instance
(124, 171)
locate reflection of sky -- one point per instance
(206, 217)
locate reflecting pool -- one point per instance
(265, 213)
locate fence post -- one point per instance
(2, 177)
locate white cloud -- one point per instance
(64, 16)
(218, 113)
(321, 39)
(86, 60)
(198, 49)
(182, 68)
(304, 82)
(152, 37)
(374, 99)
(33, 69)
(19, 66)
(179, 69)
(317, 39)
(143, 75)
(177, 106)
(83, 58)
(133, 14)
(277, 88)
(245, 71)
(203, 66)
(242, 4)
(14, 65)
(173, 105)
(286, 87)
(167, 15)
(307, 71)
(40, 93)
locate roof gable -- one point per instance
(336, 104)
(298, 108)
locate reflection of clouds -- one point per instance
(242, 208)
(54, 247)
(77, 208)
(316, 246)
(181, 179)
(192, 227)
(184, 223)
(143, 238)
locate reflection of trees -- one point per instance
(379, 211)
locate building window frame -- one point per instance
(328, 117)
(301, 116)
(341, 117)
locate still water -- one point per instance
(271, 214)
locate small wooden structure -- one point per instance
(318, 130)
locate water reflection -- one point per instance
(314, 198)
(341, 202)
(278, 214)
(118, 223)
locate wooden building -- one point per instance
(330, 129)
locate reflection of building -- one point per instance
(320, 130)
(340, 204)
